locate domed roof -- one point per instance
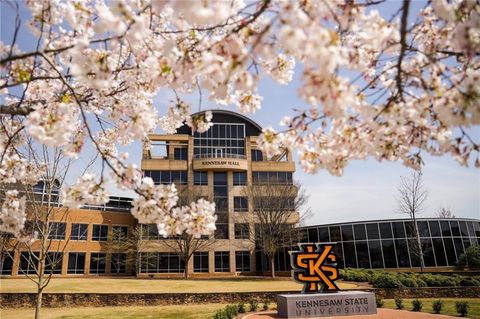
(225, 116)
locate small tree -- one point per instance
(38, 249)
(276, 211)
(186, 245)
(445, 212)
(471, 257)
(411, 199)
(132, 245)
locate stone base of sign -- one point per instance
(343, 303)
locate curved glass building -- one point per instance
(391, 243)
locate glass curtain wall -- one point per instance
(389, 244)
(221, 140)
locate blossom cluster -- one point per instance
(392, 89)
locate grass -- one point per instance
(124, 285)
(158, 312)
(448, 306)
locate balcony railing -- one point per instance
(219, 155)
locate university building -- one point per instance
(220, 165)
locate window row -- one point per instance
(167, 177)
(57, 231)
(399, 229)
(272, 178)
(29, 262)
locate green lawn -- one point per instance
(124, 285)
(158, 312)
(448, 306)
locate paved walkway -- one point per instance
(382, 314)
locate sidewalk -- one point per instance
(382, 314)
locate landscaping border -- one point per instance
(17, 300)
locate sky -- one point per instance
(367, 190)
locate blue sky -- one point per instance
(367, 189)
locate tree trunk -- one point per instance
(185, 275)
(419, 244)
(272, 266)
(38, 303)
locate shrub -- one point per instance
(387, 281)
(438, 280)
(266, 304)
(253, 305)
(462, 308)
(220, 314)
(471, 257)
(417, 305)
(469, 282)
(437, 306)
(379, 302)
(399, 303)
(241, 308)
(231, 311)
(408, 281)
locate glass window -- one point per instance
(414, 252)
(375, 249)
(28, 263)
(200, 261)
(240, 204)
(423, 229)
(389, 253)
(76, 263)
(221, 232)
(458, 243)
(53, 263)
(323, 234)
(347, 234)
(222, 261)
(200, 178)
(312, 235)
(398, 230)
(372, 231)
(239, 178)
(402, 253)
(335, 233)
(98, 263)
(56, 231)
(120, 233)
(161, 263)
(455, 228)
(242, 231)
(434, 228)
(463, 228)
(338, 252)
(445, 228)
(79, 232)
(385, 230)
(349, 253)
(257, 156)
(360, 233)
(450, 250)
(242, 261)
(6, 263)
(100, 233)
(362, 254)
(471, 231)
(180, 153)
(428, 254)
(476, 227)
(118, 263)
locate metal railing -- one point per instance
(220, 155)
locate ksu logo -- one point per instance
(315, 266)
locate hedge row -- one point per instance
(382, 279)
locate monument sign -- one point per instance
(315, 266)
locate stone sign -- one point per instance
(344, 303)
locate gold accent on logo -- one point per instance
(315, 266)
